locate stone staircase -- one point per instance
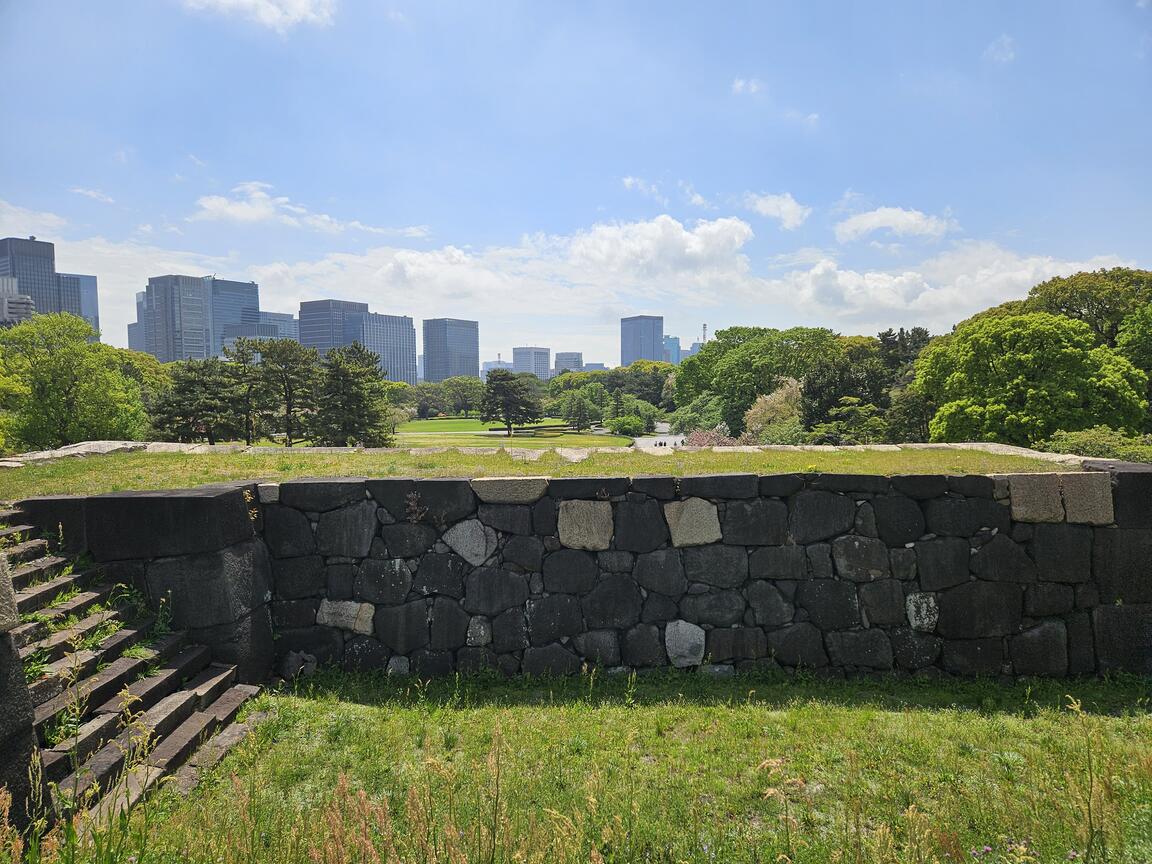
(122, 701)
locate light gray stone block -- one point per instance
(587, 525)
(346, 615)
(1036, 497)
(693, 522)
(510, 490)
(471, 540)
(684, 643)
(1088, 497)
(923, 611)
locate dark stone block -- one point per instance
(1063, 553)
(963, 517)
(1046, 599)
(347, 531)
(902, 563)
(798, 645)
(601, 647)
(1041, 650)
(1123, 638)
(298, 577)
(1003, 560)
(778, 562)
(554, 616)
(246, 644)
(403, 628)
(943, 562)
(1081, 644)
(294, 613)
(1132, 499)
(831, 604)
(914, 650)
(470, 660)
(509, 518)
(868, 483)
(340, 581)
(431, 664)
(720, 608)
(883, 602)
(444, 501)
(382, 580)
(819, 515)
(640, 526)
(393, 494)
(408, 539)
(326, 644)
(661, 488)
(614, 561)
(16, 757)
(780, 485)
(974, 657)
(449, 629)
(209, 588)
(552, 659)
(720, 486)
(441, 573)
(365, 654)
(642, 647)
(317, 496)
(920, 486)
(899, 520)
(769, 608)
(287, 532)
(525, 552)
(659, 609)
(719, 565)
(1122, 563)
(544, 517)
(865, 524)
(736, 643)
(509, 631)
(1087, 596)
(819, 560)
(972, 485)
(860, 559)
(867, 649)
(62, 516)
(661, 571)
(613, 604)
(126, 525)
(569, 571)
(508, 664)
(16, 712)
(757, 522)
(600, 488)
(979, 609)
(489, 591)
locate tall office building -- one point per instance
(89, 299)
(136, 335)
(233, 304)
(14, 306)
(393, 337)
(322, 322)
(175, 318)
(264, 325)
(488, 365)
(641, 338)
(672, 349)
(451, 348)
(33, 263)
(537, 361)
(284, 322)
(569, 361)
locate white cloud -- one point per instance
(783, 207)
(94, 194)
(695, 198)
(278, 15)
(808, 120)
(1001, 50)
(197, 161)
(21, 222)
(253, 204)
(648, 190)
(746, 86)
(897, 220)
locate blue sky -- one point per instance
(548, 167)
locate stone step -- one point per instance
(40, 626)
(9, 514)
(210, 684)
(80, 664)
(29, 550)
(18, 533)
(56, 645)
(43, 595)
(228, 705)
(172, 751)
(95, 689)
(166, 680)
(71, 752)
(40, 570)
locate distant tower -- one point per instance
(705, 334)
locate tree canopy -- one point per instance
(511, 399)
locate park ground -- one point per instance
(470, 432)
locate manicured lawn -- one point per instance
(537, 440)
(458, 424)
(675, 767)
(174, 470)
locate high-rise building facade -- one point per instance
(641, 338)
(89, 298)
(14, 306)
(33, 263)
(569, 361)
(451, 348)
(267, 325)
(393, 337)
(233, 304)
(537, 361)
(488, 365)
(322, 322)
(176, 317)
(672, 349)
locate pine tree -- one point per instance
(290, 371)
(247, 393)
(511, 399)
(196, 405)
(351, 402)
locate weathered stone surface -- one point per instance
(920, 486)
(943, 562)
(661, 571)
(509, 631)
(974, 656)
(403, 628)
(1063, 553)
(1081, 644)
(736, 643)
(471, 540)
(780, 485)
(340, 581)
(586, 524)
(427, 663)
(616, 561)
(552, 617)
(963, 517)
(489, 591)
(831, 604)
(1087, 498)
(972, 485)
(769, 608)
(1132, 498)
(551, 659)
(1003, 560)
(365, 654)
(475, 658)
(640, 526)
(1045, 599)
(684, 643)
(902, 563)
(288, 532)
(509, 518)
(1041, 650)
(324, 643)
(209, 588)
(1036, 497)
(882, 602)
(642, 647)
(346, 615)
(544, 516)
(819, 515)
(867, 649)
(718, 608)
(778, 562)
(899, 520)
(614, 603)
(16, 712)
(865, 522)
(913, 650)
(980, 609)
(725, 486)
(444, 501)
(755, 522)
(479, 631)
(408, 539)
(347, 530)
(510, 490)
(658, 608)
(601, 647)
(382, 580)
(595, 488)
(693, 522)
(860, 559)
(1122, 562)
(660, 488)
(316, 496)
(525, 552)
(819, 557)
(399, 666)
(799, 645)
(719, 565)
(449, 629)
(1124, 638)
(294, 613)
(569, 571)
(869, 483)
(441, 573)
(923, 611)
(396, 495)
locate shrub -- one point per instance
(1102, 442)
(627, 425)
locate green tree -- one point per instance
(247, 392)
(1101, 299)
(856, 370)
(578, 410)
(900, 348)
(644, 379)
(351, 402)
(429, 400)
(908, 416)
(628, 425)
(852, 421)
(61, 388)
(462, 394)
(290, 371)
(776, 417)
(706, 411)
(511, 399)
(196, 406)
(1017, 379)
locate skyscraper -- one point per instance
(233, 303)
(641, 338)
(569, 361)
(33, 263)
(175, 314)
(322, 322)
(393, 337)
(451, 348)
(14, 306)
(672, 349)
(538, 361)
(89, 299)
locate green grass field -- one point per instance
(174, 470)
(677, 768)
(459, 424)
(471, 432)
